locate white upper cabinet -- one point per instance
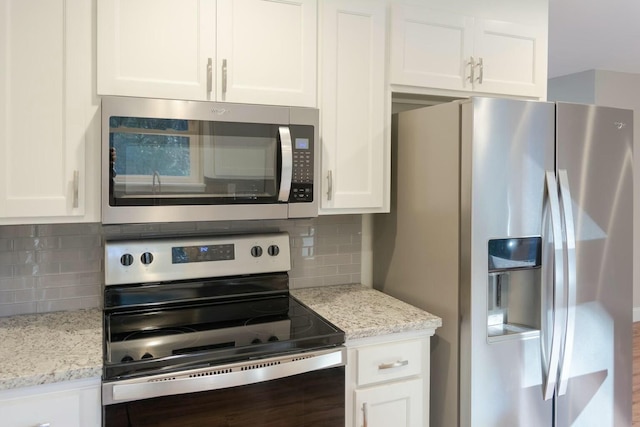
(249, 51)
(46, 107)
(267, 51)
(156, 48)
(354, 107)
(432, 48)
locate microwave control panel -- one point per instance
(303, 162)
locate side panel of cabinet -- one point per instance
(513, 58)
(45, 100)
(430, 48)
(353, 107)
(267, 51)
(156, 48)
(396, 404)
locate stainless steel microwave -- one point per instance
(171, 160)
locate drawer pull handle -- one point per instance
(397, 364)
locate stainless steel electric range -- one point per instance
(208, 324)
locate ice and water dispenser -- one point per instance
(514, 288)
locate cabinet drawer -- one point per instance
(389, 362)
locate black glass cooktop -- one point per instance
(200, 324)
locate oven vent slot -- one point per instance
(295, 359)
(210, 373)
(157, 380)
(260, 365)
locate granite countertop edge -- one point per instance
(46, 348)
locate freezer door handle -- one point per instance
(570, 279)
(551, 359)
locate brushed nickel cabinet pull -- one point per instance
(472, 69)
(329, 184)
(364, 414)
(480, 70)
(224, 77)
(397, 364)
(209, 75)
(76, 186)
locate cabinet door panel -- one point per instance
(513, 58)
(396, 404)
(45, 55)
(156, 48)
(353, 106)
(430, 48)
(270, 51)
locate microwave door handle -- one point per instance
(286, 150)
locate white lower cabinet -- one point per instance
(388, 381)
(65, 404)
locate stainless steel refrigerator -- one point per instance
(512, 220)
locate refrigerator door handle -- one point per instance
(551, 361)
(570, 275)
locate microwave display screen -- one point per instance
(302, 143)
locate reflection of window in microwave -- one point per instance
(147, 146)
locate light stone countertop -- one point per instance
(363, 312)
(52, 347)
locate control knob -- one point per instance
(273, 338)
(273, 250)
(256, 251)
(147, 356)
(127, 358)
(146, 258)
(126, 260)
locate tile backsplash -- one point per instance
(55, 267)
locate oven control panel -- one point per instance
(143, 261)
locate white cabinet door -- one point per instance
(354, 107)
(430, 48)
(156, 48)
(267, 51)
(60, 405)
(398, 404)
(512, 58)
(45, 108)
(449, 51)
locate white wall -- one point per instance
(611, 89)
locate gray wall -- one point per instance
(59, 266)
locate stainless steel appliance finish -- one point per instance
(207, 320)
(171, 160)
(513, 221)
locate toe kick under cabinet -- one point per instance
(388, 381)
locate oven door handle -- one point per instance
(219, 377)
(286, 150)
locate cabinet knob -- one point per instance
(397, 364)
(44, 425)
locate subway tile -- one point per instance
(16, 309)
(10, 231)
(25, 295)
(88, 241)
(6, 271)
(77, 229)
(59, 305)
(80, 267)
(67, 279)
(343, 279)
(349, 269)
(6, 245)
(17, 283)
(36, 243)
(305, 282)
(79, 291)
(7, 297)
(77, 255)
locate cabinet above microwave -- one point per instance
(170, 160)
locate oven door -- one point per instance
(306, 389)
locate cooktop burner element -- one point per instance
(187, 303)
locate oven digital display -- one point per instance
(202, 253)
